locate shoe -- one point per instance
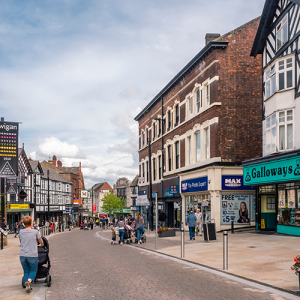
(193, 238)
(28, 287)
(140, 241)
(121, 244)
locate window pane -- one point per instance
(281, 138)
(268, 89)
(284, 33)
(272, 70)
(278, 38)
(281, 81)
(273, 84)
(268, 74)
(268, 122)
(273, 119)
(207, 143)
(289, 133)
(289, 115)
(268, 140)
(289, 62)
(282, 116)
(273, 139)
(281, 65)
(198, 149)
(289, 78)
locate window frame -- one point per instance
(159, 167)
(189, 142)
(207, 142)
(198, 147)
(284, 23)
(177, 155)
(170, 157)
(154, 169)
(169, 120)
(198, 101)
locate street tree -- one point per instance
(112, 203)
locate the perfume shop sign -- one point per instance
(281, 170)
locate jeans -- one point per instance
(192, 232)
(30, 266)
(16, 233)
(139, 232)
(121, 233)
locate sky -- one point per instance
(77, 72)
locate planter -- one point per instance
(167, 233)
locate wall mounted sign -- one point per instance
(234, 182)
(142, 200)
(280, 170)
(194, 185)
(19, 206)
(9, 133)
(173, 189)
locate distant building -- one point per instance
(122, 190)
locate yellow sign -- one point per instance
(19, 206)
(263, 226)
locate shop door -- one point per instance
(177, 215)
(170, 214)
(267, 212)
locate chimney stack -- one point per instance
(210, 37)
(54, 160)
(59, 164)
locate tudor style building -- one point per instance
(200, 127)
(277, 173)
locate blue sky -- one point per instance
(76, 73)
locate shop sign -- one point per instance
(235, 207)
(94, 208)
(133, 207)
(234, 182)
(173, 189)
(72, 211)
(273, 171)
(167, 194)
(194, 185)
(19, 206)
(84, 194)
(67, 210)
(125, 210)
(11, 186)
(9, 133)
(154, 194)
(102, 215)
(52, 208)
(75, 201)
(142, 200)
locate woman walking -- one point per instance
(139, 227)
(29, 252)
(121, 226)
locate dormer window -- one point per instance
(282, 32)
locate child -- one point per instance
(113, 236)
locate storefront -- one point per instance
(277, 180)
(220, 195)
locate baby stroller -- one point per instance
(143, 237)
(86, 226)
(127, 235)
(43, 264)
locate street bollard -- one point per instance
(182, 241)
(43, 230)
(232, 226)
(225, 250)
(148, 228)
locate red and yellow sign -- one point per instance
(19, 206)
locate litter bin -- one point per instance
(209, 229)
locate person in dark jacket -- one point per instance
(162, 217)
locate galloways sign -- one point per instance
(273, 171)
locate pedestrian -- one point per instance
(121, 226)
(199, 217)
(21, 225)
(91, 223)
(35, 226)
(139, 227)
(108, 221)
(56, 225)
(162, 217)
(16, 229)
(70, 225)
(116, 221)
(74, 224)
(113, 235)
(103, 223)
(47, 223)
(191, 221)
(29, 253)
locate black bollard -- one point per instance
(232, 226)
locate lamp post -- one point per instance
(92, 202)
(48, 195)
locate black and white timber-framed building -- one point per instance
(277, 173)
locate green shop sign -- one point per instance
(273, 171)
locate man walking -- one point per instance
(199, 217)
(69, 224)
(192, 222)
(92, 223)
(162, 217)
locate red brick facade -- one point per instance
(236, 92)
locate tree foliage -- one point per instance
(112, 203)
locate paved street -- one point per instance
(86, 266)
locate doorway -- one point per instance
(267, 214)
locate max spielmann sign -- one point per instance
(9, 149)
(273, 171)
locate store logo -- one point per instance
(233, 182)
(8, 127)
(184, 186)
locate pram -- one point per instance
(127, 235)
(144, 239)
(43, 264)
(86, 226)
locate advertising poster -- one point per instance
(281, 199)
(235, 207)
(291, 199)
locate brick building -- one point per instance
(201, 126)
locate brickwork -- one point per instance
(236, 90)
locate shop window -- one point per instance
(271, 203)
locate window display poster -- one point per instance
(235, 207)
(298, 196)
(281, 199)
(291, 199)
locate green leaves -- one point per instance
(112, 203)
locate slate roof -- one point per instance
(54, 175)
(73, 170)
(34, 164)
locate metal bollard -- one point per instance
(182, 241)
(232, 226)
(225, 250)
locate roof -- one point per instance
(134, 182)
(98, 186)
(21, 151)
(200, 56)
(267, 16)
(54, 175)
(36, 164)
(70, 169)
